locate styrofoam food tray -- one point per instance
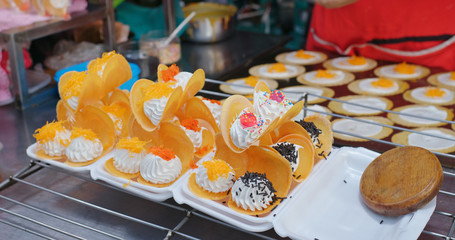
(32, 149)
(98, 172)
(329, 206)
(248, 222)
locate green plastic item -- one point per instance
(143, 19)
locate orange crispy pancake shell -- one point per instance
(116, 72)
(173, 137)
(100, 123)
(64, 114)
(196, 108)
(306, 155)
(325, 138)
(109, 165)
(135, 130)
(231, 108)
(136, 101)
(289, 127)
(290, 114)
(277, 170)
(193, 86)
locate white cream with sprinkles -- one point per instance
(367, 101)
(423, 111)
(431, 143)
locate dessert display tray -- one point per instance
(31, 152)
(98, 172)
(327, 205)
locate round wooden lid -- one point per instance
(401, 181)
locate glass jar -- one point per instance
(154, 44)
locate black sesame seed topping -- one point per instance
(381, 222)
(287, 150)
(274, 208)
(345, 181)
(224, 202)
(311, 128)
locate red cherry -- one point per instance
(248, 119)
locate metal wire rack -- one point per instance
(23, 214)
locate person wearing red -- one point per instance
(415, 31)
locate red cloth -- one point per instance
(4, 60)
(362, 27)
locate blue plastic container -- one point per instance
(83, 67)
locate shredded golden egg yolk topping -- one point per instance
(302, 54)
(157, 91)
(212, 101)
(164, 153)
(48, 132)
(324, 74)
(216, 168)
(405, 68)
(251, 81)
(72, 87)
(382, 83)
(191, 124)
(277, 67)
(81, 132)
(434, 92)
(169, 74)
(133, 145)
(356, 60)
(452, 76)
(114, 109)
(101, 62)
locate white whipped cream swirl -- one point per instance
(269, 109)
(118, 123)
(73, 102)
(243, 137)
(182, 79)
(195, 137)
(154, 108)
(159, 171)
(253, 192)
(83, 150)
(127, 162)
(55, 148)
(222, 184)
(215, 109)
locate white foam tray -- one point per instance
(98, 172)
(31, 152)
(329, 206)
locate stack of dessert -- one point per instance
(248, 153)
